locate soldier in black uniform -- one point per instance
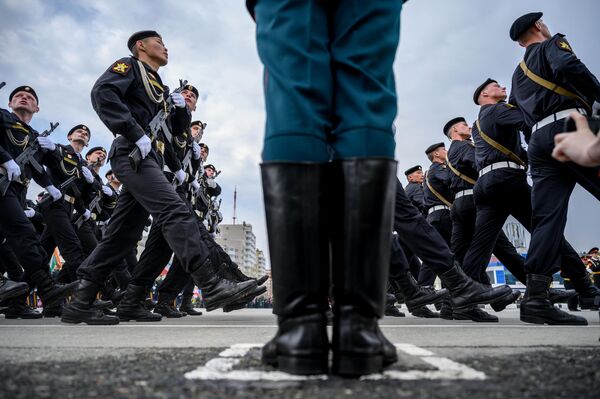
(437, 199)
(461, 162)
(549, 84)
(17, 135)
(414, 188)
(502, 188)
(127, 97)
(66, 162)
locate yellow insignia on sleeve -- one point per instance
(121, 68)
(563, 45)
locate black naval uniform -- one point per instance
(416, 195)
(63, 163)
(461, 162)
(438, 211)
(502, 187)
(544, 111)
(122, 103)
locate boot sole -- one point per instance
(90, 322)
(242, 302)
(302, 365)
(541, 320)
(15, 292)
(482, 301)
(125, 319)
(12, 317)
(427, 300)
(237, 297)
(356, 366)
(475, 320)
(501, 304)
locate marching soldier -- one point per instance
(16, 138)
(414, 188)
(550, 83)
(127, 97)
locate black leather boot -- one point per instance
(166, 306)
(474, 314)
(536, 308)
(587, 291)
(500, 305)
(18, 309)
(447, 311)
(465, 293)
(390, 306)
(218, 291)
(132, 305)
(258, 290)
(361, 202)
(11, 289)
(187, 307)
(415, 296)
(298, 245)
(50, 292)
(425, 313)
(561, 296)
(81, 310)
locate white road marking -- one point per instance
(223, 326)
(221, 368)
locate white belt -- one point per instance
(500, 165)
(556, 117)
(437, 208)
(463, 193)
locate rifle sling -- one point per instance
(458, 173)
(435, 192)
(500, 147)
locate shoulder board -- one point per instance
(510, 105)
(19, 126)
(70, 160)
(121, 67)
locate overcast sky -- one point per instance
(447, 48)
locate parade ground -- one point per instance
(217, 355)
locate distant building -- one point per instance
(239, 242)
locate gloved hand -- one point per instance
(54, 193)
(107, 191)
(12, 170)
(87, 175)
(196, 150)
(145, 145)
(87, 214)
(180, 177)
(29, 213)
(211, 183)
(178, 100)
(46, 144)
(195, 185)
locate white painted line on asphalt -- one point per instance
(221, 368)
(221, 326)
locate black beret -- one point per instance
(28, 89)
(80, 126)
(210, 166)
(434, 147)
(480, 89)
(199, 123)
(93, 149)
(202, 145)
(192, 89)
(412, 170)
(108, 173)
(523, 23)
(141, 35)
(452, 122)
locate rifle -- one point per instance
(185, 165)
(62, 188)
(94, 205)
(28, 157)
(157, 124)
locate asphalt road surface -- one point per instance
(217, 355)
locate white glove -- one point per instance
(196, 150)
(178, 100)
(87, 174)
(195, 185)
(211, 183)
(29, 213)
(12, 170)
(87, 214)
(145, 145)
(54, 193)
(46, 143)
(107, 191)
(180, 177)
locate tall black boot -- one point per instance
(298, 245)
(415, 296)
(187, 307)
(11, 289)
(166, 306)
(465, 293)
(132, 306)
(390, 306)
(536, 306)
(587, 291)
(361, 204)
(81, 309)
(18, 309)
(50, 292)
(561, 296)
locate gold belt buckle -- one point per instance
(160, 146)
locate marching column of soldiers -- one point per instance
(447, 222)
